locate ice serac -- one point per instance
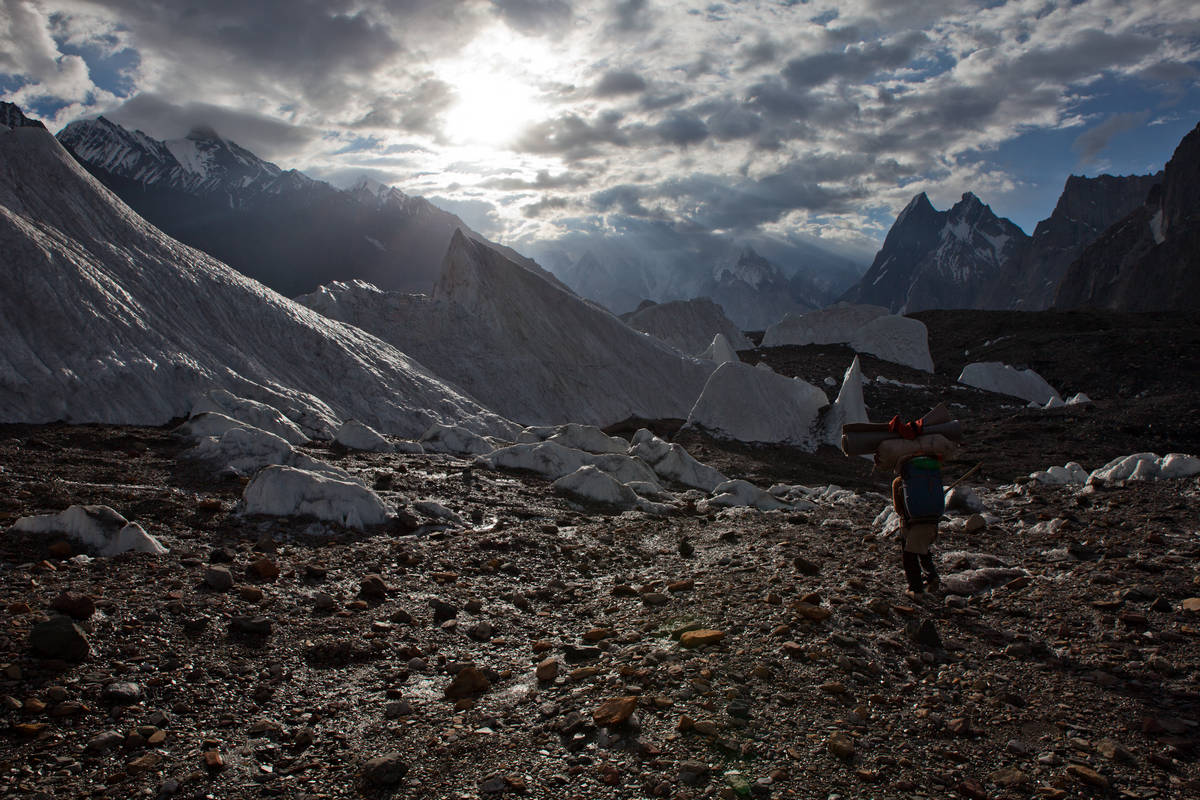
(941, 259)
(687, 325)
(865, 328)
(994, 376)
(1150, 259)
(104, 318)
(98, 527)
(849, 406)
(746, 404)
(523, 345)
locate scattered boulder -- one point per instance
(59, 637)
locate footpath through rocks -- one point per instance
(525, 645)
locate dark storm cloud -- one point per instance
(1084, 55)
(632, 15)
(625, 198)
(573, 137)
(734, 122)
(855, 63)
(544, 180)
(542, 207)
(416, 110)
(619, 82)
(657, 102)
(681, 128)
(533, 17)
(764, 51)
(1092, 142)
(157, 116)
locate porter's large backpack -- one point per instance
(924, 499)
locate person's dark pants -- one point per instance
(914, 563)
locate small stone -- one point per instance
(442, 611)
(655, 599)
(1192, 605)
(264, 569)
(103, 742)
(316, 572)
(598, 634)
(123, 693)
(811, 612)
(219, 579)
(372, 586)
(251, 594)
(143, 763)
(493, 784)
(615, 711)
(481, 631)
(385, 770)
(213, 761)
(59, 637)
(681, 586)
(925, 633)
(700, 638)
(806, 567)
(974, 524)
(468, 681)
(1115, 751)
(1088, 776)
(1009, 777)
(547, 670)
(75, 606)
(841, 745)
(250, 625)
(971, 789)
(694, 773)
(960, 726)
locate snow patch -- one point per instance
(288, 492)
(98, 527)
(742, 493)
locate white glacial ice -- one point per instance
(104, 318)
(849, 407)
(286, 491)
(98, 527)
(355, 435)
(994, 376)
(751, 405)
(865, 328)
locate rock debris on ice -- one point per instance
(98, 527)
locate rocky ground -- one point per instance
(550, 650)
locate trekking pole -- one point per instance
(966, 475)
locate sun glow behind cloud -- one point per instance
(496, 87)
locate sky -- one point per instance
(542, 120)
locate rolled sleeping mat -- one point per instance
(864, 438)
(893, 451)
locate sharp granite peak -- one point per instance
(940, 259)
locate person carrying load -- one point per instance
(915, 450)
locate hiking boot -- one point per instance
(916, 597)
(934, 584)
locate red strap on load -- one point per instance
(905, 430)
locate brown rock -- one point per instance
(542, 645)
(681, 586)
(468, 681)
(615, 711)
(264, 569)
(598, 634)
(1115, 751)
(1087, 775)
(60, 549)
(700, 638)
(143, 763)
(251, 594)
(1009, 777)
(1192, 605)
(76, 606)
(811, 612)
(841, 745)
(655, 599)
(373, 586)
(547, 670)
(971, 788)
(793, 649)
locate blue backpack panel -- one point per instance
(924, 499)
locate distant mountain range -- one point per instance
(1128, 243)
(277, 226)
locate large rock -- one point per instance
(59, 637)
